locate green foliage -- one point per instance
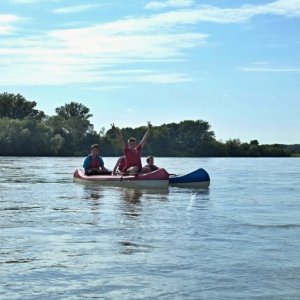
(72, 124)
(17, 107)
(73, 110)
(26, 137)
(188, 138)
(56, 144)
(233, 147)
(26, 131)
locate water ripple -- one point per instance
(280, 226)
(61, 240)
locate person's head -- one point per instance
(131, 142)
(150, 160)
(95, 149)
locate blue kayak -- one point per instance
(198, 178)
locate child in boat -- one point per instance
(119, 166)
(132, 150)
(93, 164)
(150, 167)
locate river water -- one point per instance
(238, 240)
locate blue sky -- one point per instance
(235, 64)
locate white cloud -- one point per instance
(207, 13)
(8, 23)
(75, 9)
(163, 78)
(97, 53)
(23, 1)
(6, 18)
(271, 69)
(107, 87)
(31, 1)
(83, 57)
(284, 7)
(267, 67)
(169, 4)
(5, 30)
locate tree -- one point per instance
(27, 137)
(73, 110)
(25, 130)
(233, 147)
(254, 148)
(17, 107)
(190, 138)
(161, 142)
(73, 125)
(56, 143)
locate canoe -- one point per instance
(195, 179)
(155, 180)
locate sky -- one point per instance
(234, 64)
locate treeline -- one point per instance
(26, 131)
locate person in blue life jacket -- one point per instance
(93, 164)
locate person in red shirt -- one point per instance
(132, 150)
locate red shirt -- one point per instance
(133, 156)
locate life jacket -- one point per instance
(94, 162)
(153, 167)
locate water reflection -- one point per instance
(94, 193)
(131, 204)
(130, 248)
(132, 195)
(132, 199)
(137, 207)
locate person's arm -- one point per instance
(116, 166)
(119, 136)
(102, 165)
(146, 135)
(104, 169)
(86, 163)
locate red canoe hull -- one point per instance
(155, 179)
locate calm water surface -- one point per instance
(64, 240)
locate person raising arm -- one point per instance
(132, 150)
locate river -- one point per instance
(238, 240)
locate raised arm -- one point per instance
(119, 136)
(146, 135)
